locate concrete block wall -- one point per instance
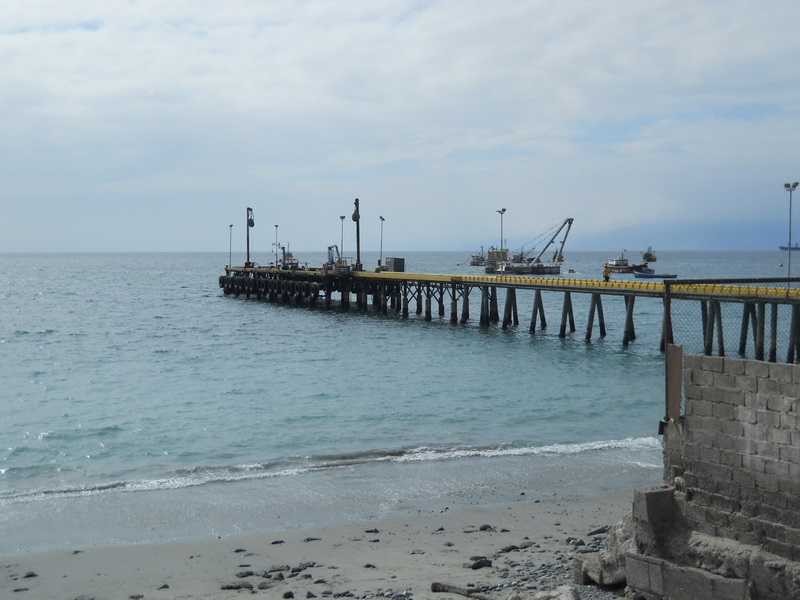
(737, 457)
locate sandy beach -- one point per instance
(525, 547)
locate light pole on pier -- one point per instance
(380, 260)
(790, 187)
(341, 243)
(230, 243)
(276, 246)
(502, 211)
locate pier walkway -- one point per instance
(680, 321)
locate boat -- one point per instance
(649, 255)
(645, 275)
(794, 247)
(478, 260)
(620, 264)
(520, 264)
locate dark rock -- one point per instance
(278, 542)
(288, 595)
(486, 528)
(164, 587)
(240, 550)
(310, 595)
(371, 531)
(237, 585)
(510, 548)
(243, 574)
(265, 585)
(369, 566)
(480, 564)
(311, 539)
(29, 575)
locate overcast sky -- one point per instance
(151, 125)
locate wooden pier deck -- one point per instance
(398, 291)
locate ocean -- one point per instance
(140, 404)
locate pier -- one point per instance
(764, 313)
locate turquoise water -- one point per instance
(141, 404)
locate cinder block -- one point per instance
(781, 371)
(653, 504)
(778, 468)
(686, 582)
(746, 383)
(756, 368)
(769, 386)
(701, 408)
(730, 459)
(767, 418)
(656, 576)
(790, 389)
(637, 572)
(720, 410)
(734, 365)
(724, 381)
(743, 414)
(779, 403)
(733, 428)
(714, 364)
(729, 589)
(711, 393)
(767, 482)
(779, 436)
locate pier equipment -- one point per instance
(676, 299)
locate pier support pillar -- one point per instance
(419, 299)
(595, 306)
(567, 316)
(510, 310)
(538, 312)
(484, 306)
(465, 305)
(427, 308)
(629, 333)
(494, 315)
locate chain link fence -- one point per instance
(746, 318)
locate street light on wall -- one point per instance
(790, 187)
(380, 260)
(502, 211)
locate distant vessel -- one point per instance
(620, 264)
(794, 247)
(649, 255)
(478, 260)
(497, 261)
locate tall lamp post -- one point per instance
(380, 260)
(341, 243)
(230, 243)
(502, 211)
(790, 187)
(276, 246)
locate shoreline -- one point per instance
(530, 544)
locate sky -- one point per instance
(144, 125)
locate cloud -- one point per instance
(434, 112)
